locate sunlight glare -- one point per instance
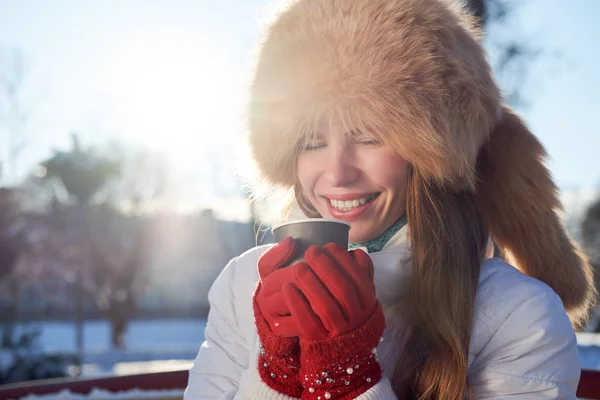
(173, 96)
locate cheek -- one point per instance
(390, 172)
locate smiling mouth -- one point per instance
(349, 205)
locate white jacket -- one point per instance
(522, 344)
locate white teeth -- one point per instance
(351, 204)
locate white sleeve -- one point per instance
(223, 356)
(221, 370)
(532, 355)
(381, 391)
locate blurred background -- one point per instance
(122, 166)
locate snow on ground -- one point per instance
(151, 345)
(103, 394)
(160, 345)
(166, 345)
(159, 335)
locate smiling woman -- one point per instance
(426, 187)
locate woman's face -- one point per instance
(355, 178)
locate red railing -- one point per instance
(589, 385)
(152, 381)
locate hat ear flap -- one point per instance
(520, 203)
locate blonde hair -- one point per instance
(448, 239)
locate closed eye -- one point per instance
(313, 146)
(369, 142)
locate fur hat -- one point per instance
(414, 73)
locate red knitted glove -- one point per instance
(279, 360)
(340, 322)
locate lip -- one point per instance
(352, 214)
(348, 196)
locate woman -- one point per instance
(384, 113)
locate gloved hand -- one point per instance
(332, 299)
(279, 360)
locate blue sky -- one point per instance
(565, 98)
(171, 75)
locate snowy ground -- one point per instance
(97, 394)
(160, 345)
(151, 345)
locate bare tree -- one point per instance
(17, 234)
(8, 217)
(82, 174)
(512, 53)
(13, 115)
(120, 241)
(118, 256)
(590, 234)
(109, 189)
(590, 231)
(10, 250)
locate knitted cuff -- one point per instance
(343, 367)
(279, 360)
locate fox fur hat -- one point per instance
(414, 73)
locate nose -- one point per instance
(341, 168)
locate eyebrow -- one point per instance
(356, 133)
(353, 134)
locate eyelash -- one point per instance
(312, 147)
(368, 142)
